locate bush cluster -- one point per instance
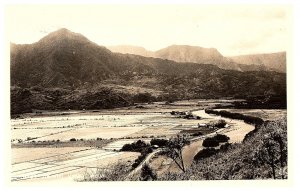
(221, 138)
(138, 146)
(210, 142)
(246, 118)
(215, 140)
(159, 142)
(197, 134)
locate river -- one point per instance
(236, 132)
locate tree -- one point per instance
(174, 149)
(273, 148)
(220, 123)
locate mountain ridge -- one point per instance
(196, 54)
(274, 61)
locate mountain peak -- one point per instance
(62, 34)
(187, 53)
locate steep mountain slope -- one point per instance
(61, 58)
(184, 53)
(274, 61)
(194, 54)
(65, 70)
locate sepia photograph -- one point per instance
(148, 92)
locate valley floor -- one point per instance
(42, 148)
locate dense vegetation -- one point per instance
(246, 118)
(215, 140)
(263, 102)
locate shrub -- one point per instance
(139, 143)
(204, 153)
(210, 142)
(138, 160)
(221, 138)
(147, 173)
(147, 150)
(127, 147)
(159, 142)
(73, 139)
(197, 134)
(135, 164)
(220, 123)
(138, 146)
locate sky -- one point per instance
(232, 29)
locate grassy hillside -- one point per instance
(253, 159)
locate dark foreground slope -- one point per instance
(65, 70)
(263, 155)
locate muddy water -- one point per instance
(236, 132)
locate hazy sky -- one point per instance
(232, 29)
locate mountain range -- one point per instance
(65, 70)
(195, 54)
